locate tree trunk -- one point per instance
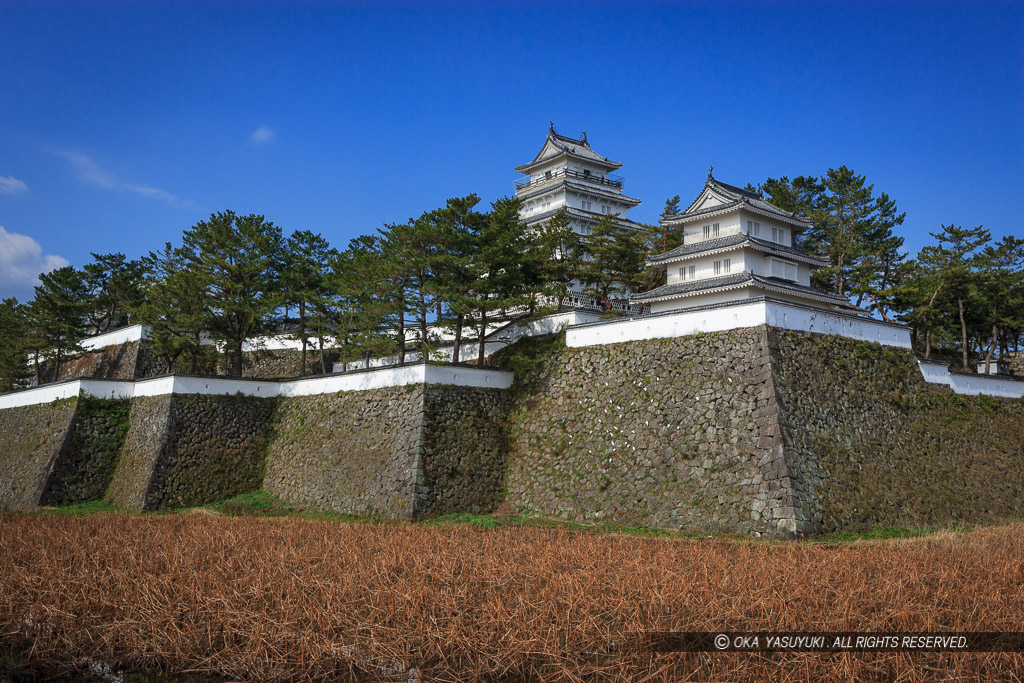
(236, 362)
(839, 274)
(302, 333)
(482, 341)
(323, 356)
(991, 347)
(401, 338)
(928, 343)
(963, 331)
(458, 338)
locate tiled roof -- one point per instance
(737, 197)
(680, 289)
(695, 248)
(580, 214)
(583, 188)
(578, 148)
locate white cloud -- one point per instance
(11, 185)
(21, 262)
(262, 134)
(92, 173)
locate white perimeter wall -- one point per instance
(788, 317)
(494, 342)
(308, 386)
(969, 383)
(751, 313)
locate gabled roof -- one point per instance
(585, 216)
(718, 197)
(556, 145)
(680, 290)
(583, 188)
(730, 243)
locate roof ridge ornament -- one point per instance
(710, 171)
(583, 139)
(551, 127)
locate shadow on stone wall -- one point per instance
(870, 443)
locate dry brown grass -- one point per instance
(258, 599)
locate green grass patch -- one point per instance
(87, 508)
(879, 533)
(253, 504)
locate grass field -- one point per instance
(208, 596)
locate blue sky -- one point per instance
(121, 124)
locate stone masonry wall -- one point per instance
(282, 362)
(31, 439)
(84, 469)
(215, 449)
(676, 433)
(116, 361)
(870, 443)
(463, 457)
(351, 452)
(148, 432)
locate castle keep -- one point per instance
(744, 402)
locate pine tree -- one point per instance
(456, 267)
(14, 323)
(554, 257)
(174, 308)
(306, 261)
(236, 258)
(116, 287)
(614, 259)
(1000, 270)
(58, 314)
(361, 304)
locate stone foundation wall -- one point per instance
(31, 440)
(677, 433)
(109, 362)
(463, 450)
(84, 469)
(282, 363)
(352, 452)
(187, 450)
(148, 432)
(870, 443)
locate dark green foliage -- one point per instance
(614, 259)
(174, 308)
(236, 260)
(304, 273)
(116, 288)
(14, 336)
(57, 315)
(852, 228)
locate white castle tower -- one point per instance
(736, 245)
(568, 174)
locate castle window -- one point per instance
(753, 228)
(718, 267)
(778, 235)
(688, 273)
(586, 205)
(711, 231)
(547, 175)
(727, 265)
(783, 269)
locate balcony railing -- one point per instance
(610, 180)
